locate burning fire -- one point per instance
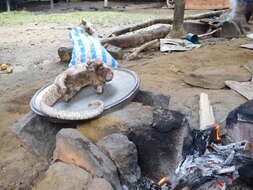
(163, 180)
(217, 137)
(247, 147)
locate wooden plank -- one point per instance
(247, 46)
(243, 88)
(206, 115)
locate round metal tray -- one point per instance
(121, 89)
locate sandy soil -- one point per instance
(32, 50)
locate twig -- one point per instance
(209, 33)
(134, 55)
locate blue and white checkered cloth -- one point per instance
(87, 47)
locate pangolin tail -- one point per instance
(52, 96)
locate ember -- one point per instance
(163, 180)
(216, 168)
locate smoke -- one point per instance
(233, 8)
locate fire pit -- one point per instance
(144, 146)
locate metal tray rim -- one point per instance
(119, 102)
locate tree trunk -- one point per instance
(178, 28)
(8, 5)
(51, 4)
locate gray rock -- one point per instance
(239, 127)
(159, 149)
(214, 77)
(73, 147)
(115, 51)
(100, 184)
(239, 124)
(63, 176)
(152, 98)
(124, 154)
(165, 120)
(159, 144)
(38, 133)
(128, 118)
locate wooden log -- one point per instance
(164, 21)
(51, 4)
(206, 115)
(243, 88)
(201, 36)
(136, 52)
(134, 40)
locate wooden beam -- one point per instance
(206, 115)
(243, 88)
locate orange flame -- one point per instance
(217, 137)
(247, 147)
(163, 180)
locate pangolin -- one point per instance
(68, 84)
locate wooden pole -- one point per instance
(8, 5)
(51, 4)
(178, 21)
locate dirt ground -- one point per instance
(32, 50)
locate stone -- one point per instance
(115, 51)
(239, 124)
(38, 133)
(124, 154)
(128, 118)
(63, 176)
(160, 150)
(214, 77)
(152, 98)
(73, 147)
(165, 120)
(100, 184)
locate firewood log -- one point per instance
(137, 39)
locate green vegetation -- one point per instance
(102, 17)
